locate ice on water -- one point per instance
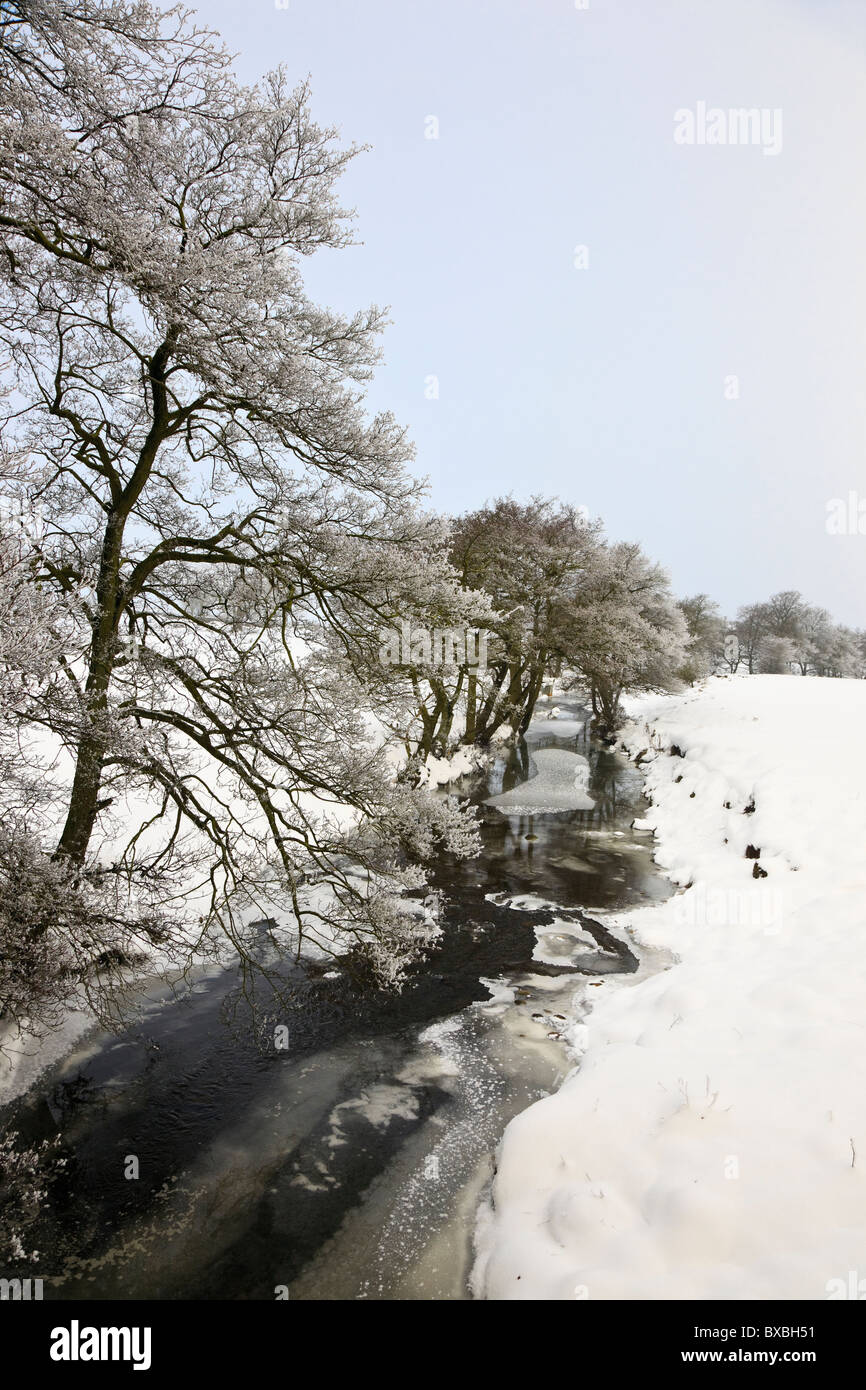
(560, 783)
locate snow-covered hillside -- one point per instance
(712, 1143)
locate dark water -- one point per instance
(350, 1164)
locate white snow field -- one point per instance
(712, 1143)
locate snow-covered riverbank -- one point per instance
(712, 1143)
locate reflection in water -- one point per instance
(350, 1164)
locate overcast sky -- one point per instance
(611, 385)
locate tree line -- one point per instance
(783, 634)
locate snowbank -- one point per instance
(438, 772)
(712, 1143)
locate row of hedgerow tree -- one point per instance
(781, 635)
(205, 534)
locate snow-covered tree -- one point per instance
(787, 631)
(535, 560)
(629, 634)
(231, 523)
(776, 656)
(751, 627)
(835, 651)
(706, 644)
(567, 603)
(785, 614)
(812, 633)
(26, 1174)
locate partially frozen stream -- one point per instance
(351, 1165)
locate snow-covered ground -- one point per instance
(712, 1143)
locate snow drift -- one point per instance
(712, 1143)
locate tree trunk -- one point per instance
(471, 699)
(484, 730)
(531, 698)
(93, 741)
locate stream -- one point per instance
(351, 1164)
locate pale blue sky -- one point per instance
(606, 386)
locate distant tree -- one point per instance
(835, 651)
(785, 614)
(751, 627)
(787, 631)
(706, 642)
(776, 656)
(732, 656)
(812, 634)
